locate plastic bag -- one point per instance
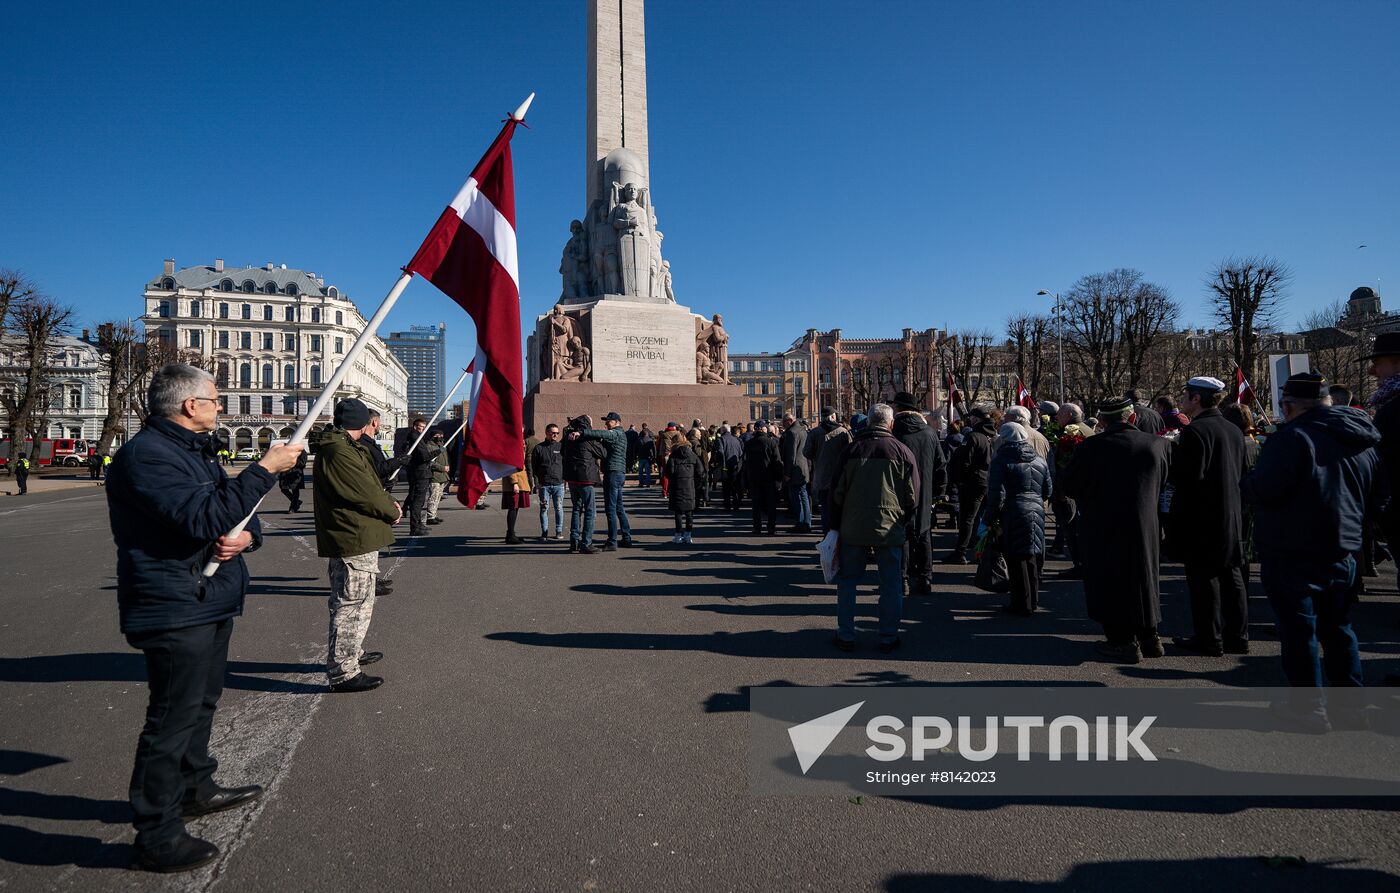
(828, 549)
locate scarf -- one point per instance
(1389, 390)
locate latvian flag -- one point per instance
(955, 399)
(1023, 396)
(470, 256)
(1243, 392)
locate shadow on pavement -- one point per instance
(131, 667)
(1278, 873)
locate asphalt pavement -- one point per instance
(565, 722)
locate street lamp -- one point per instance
(1060, 325)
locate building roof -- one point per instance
(202, 277)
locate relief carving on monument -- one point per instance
(569, 358)
(711, 351)
(576, 264)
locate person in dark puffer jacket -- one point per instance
(171, 508)
(874, 497)
(582, 474)
(968, 471)
(687, 476)
(913, 431)
(1018, 485)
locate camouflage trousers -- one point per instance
(434, 497)
(351, 606)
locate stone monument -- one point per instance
(617, 339)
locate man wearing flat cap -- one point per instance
(1115, 479)
(353, 518)
(1205, 529)
(1316, 479)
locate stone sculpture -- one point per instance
(714, 341)
(563, 330)
(575, 265)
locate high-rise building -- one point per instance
(423, 352)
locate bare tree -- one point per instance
(15, 289)
(964, 355)
(35, 322)
(128, 364)
(1246, 296)
(1113, 320)
(1027, 335)
(1338, 354)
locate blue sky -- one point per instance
(828, 164)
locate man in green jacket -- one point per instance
(439, 485)
(874, 495)
(353, 518)
(615, 441)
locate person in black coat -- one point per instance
(1018, 486)
(420, 479)
(1317, 478)
(584, 475)
(912, 430)
(687, 477)
(968, 471)
(1147, 419)
(291, 483)
(171, 508)
(763, 470)
(1116, 480)
(1205, 528)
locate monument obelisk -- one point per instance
(616, 339)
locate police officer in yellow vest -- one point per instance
(22, 473)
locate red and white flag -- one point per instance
(470, 256)
(955, 399)
(1243, 392)
(1023, 396)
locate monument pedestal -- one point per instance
(655, 404)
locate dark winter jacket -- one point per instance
(1206, 526)
(972, 460)
(383, 465)
(547, 464)
(792, 448)
(294, 478)
(169, 500)
(420, 462)
(353, 513)
(615, 442)
(581, 458)
(687, 477)
(1316, 479)
(874, 496)
(762, 466)
(646, 445)
(731, 453)
(827, 445)
(912, 430)
(1148, 420)
(1388, 424)
(1017, 486)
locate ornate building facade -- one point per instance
(77, 383)
(272, 336)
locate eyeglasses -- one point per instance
(210, 399)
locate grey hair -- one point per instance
(1303, 404)
(881, 415)
(1018, 414)
(172, 385)
(1074, 411)
(724, 429)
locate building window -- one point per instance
(226, 285)
(247, 311)
(249, 287)
(168, 284)
(315, 314)
(223, 340)
(339, 318)
(223, 404)
(194, 309)
(223, 310)
(75, 397)
(267, 341)
(245, 340)
(222, 375)
(245, 376)
(267, 406)
(290, 314)
(764, 388)
(333, 292)
(315, 376)
(245, 405)
(270, 288)
(753, 407)
(340, 345)
(291, 288)
(289, 342)
(267, 312)
(196, 338)
(750, 389)
(163, 310)
(315, 343)
(289, 376)
(267, 375)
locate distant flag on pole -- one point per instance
(1023, 396)
(1243, 392)
(470, 256)
(955, 399)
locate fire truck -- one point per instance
(67, 451)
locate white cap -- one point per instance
(1206, 383)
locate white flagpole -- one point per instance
(424, 433)
(328, 392)
(460, 428)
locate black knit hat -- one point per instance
(351, 414)
(904, 400)
(1305, 386)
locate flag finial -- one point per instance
(519, 114)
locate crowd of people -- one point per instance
(1189, 479)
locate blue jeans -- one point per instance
(612, 504)
(551, 496)
(582, 514)
(644, 472)
(800, 503)
(1312, 604)
(889, 562)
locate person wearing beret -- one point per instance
(1205, 527)
(1316, 479)
(1115, 479)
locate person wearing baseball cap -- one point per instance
(614, 440)
(1205, 527)
(1317, 481)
